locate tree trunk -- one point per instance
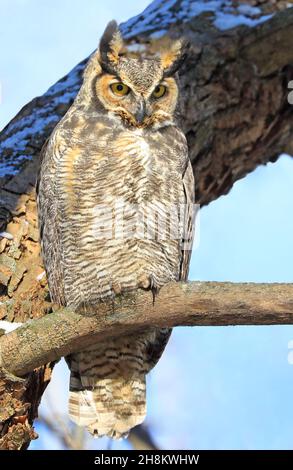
(236, 116)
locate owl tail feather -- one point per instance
(109, 408)
(107, 382)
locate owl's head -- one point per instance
(141, 90)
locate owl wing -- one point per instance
(157, 346)
(48, 222)
(188, 222)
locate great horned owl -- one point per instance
(117, 154)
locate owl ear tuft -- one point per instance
(111, 45)
(173, 56)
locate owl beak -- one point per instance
(141, 112)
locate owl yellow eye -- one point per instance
(120, 88)
(159, 91)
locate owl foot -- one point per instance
(116, 286)
(148, 282)
(154, 288)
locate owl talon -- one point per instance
(153, 288)
(116, 286)
(149, 283)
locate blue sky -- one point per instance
(228, 387)
(42, 40)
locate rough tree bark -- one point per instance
(236, 117)
(178, 304)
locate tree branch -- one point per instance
(196, 303)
